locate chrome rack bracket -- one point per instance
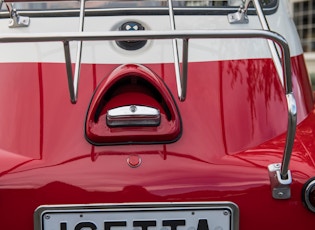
(16, 20)
(240, 16)
(279, 174)
(280, 187)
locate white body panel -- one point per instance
(157, 51)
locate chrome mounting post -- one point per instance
(73, 81)
(279, 173)
(181, 76)
(240, 16)
(15, 19)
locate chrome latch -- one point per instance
(16, 20)
(280, 186)
(133, 115)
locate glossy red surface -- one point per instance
(234, 121)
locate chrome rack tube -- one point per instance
(280, 175)
(181, 76)
(289, 95)
(281, 187)
(66, 47)
(73, 81)
(280, 179)
(240, 17)
(272, 46)
(292, 115)
(184, 73)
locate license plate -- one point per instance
(161, 216)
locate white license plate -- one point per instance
(160, 216)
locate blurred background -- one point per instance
(303, 12)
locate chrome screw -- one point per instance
(280, 194)
(133, 108)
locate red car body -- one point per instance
(214, 147)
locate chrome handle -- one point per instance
(133, 115)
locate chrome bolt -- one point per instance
(280, 194)
(47, 217)
(277, 165)
(133, 108)
(226, 213)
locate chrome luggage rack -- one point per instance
(280, 175)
